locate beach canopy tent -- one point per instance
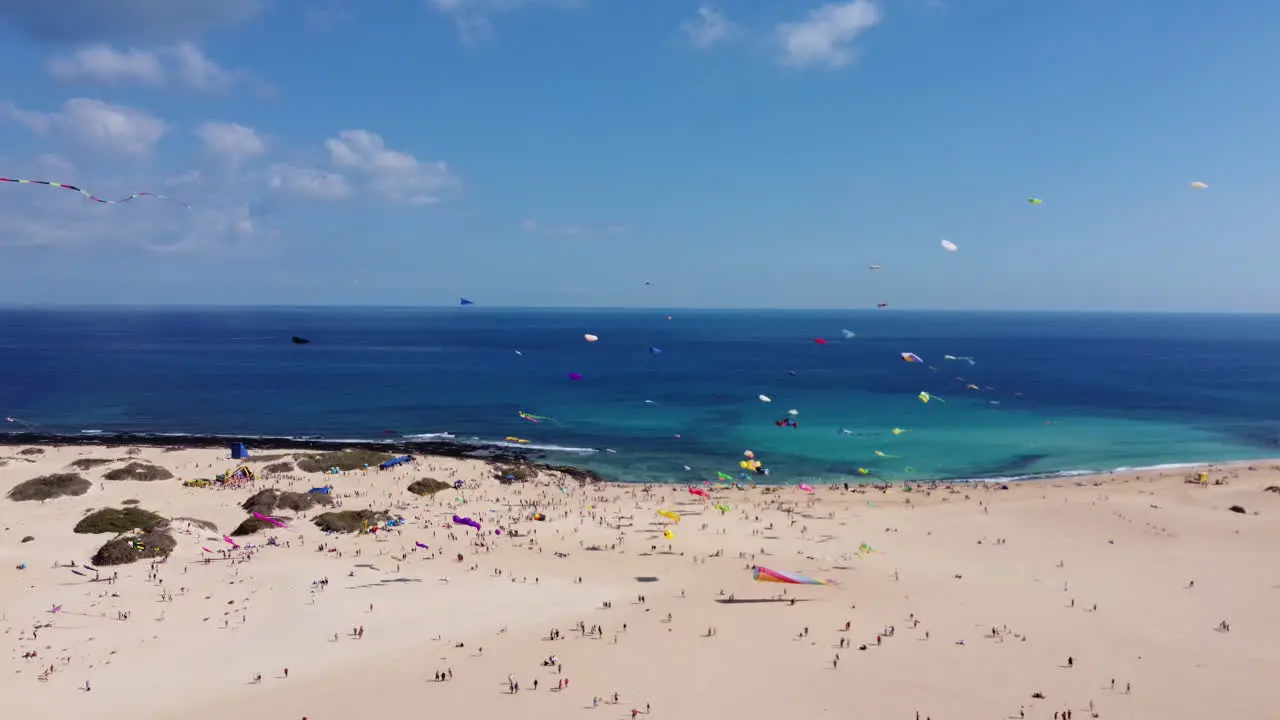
(395, 461)
(239, 451)
(320, 490)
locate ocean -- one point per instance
(1055, 393)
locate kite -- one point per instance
(299, 340)
(274, 521)
(724, 476)
(655, 351)
(765, 398)
(848, 334)
(231, 542)
(539, 517)
(926, 397)
(698, 491)
(763, 574)
(669, 535)
(806, 487)
(466, 521)
(884, 455)
(882, 305)
(205, 549)
(722, 507)
(590, 338)
(514, 439)
(949, 246)
(91, 196)
(876, 267)
(575, 376)
(670, 515)
(820, 341)
(1197, 185)
(786, 422)
(899, 431)
(22, 422)
(464, 301)
(424, 547)
(955, 357)
(1035, 201)
(533, 418)
(911, 358)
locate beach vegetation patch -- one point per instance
(31, 451)
(344, 460)
(349, 521)
(202, 524)
(1237, 509)
(48, 487)
(130, 501)
(119, 520)
(90, 463)
(138, 471)
(278, 467)
(264, 502)
(124, 550)
(138, 451)
(428, 486)
(515, 473)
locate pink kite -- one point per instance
(273, 521)
(698, 491)
(205, 549)
(805, 487)
(575, 376)
(231, 542)
(820, 341)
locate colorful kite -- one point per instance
(466, 521)
(575, 376)
(848, 334)
(669, 535)
(899, 431)
(926, 397)
(699, 492)
(91, 196)
(231, 542)
(882, 305)
(274, 521)
(763, 574)
(820, 341)
(806, 487)
(911, 358)
(539, 517)
(1197, 185)
(1035, 201)
(533, 418)
(424, 547)
(668, 514)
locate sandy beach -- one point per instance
(1120, 596)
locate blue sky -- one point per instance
(565, 152)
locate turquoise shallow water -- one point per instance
(1056, 393)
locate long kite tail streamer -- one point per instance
(763, 574)
(90, 195)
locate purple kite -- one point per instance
(575, 376)
(465, 521)
(424, 547)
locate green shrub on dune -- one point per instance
(48, 487)
(343, 460)
(90, 463)
(139, 471)
(119, 520)
(125, 550)
(428, 486)
(349, 521)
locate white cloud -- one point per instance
(183, 65)
(574, 231)
(231, 142)
(397, 175)
(308, 182)
(96, 124)
(708, 29)
(473, 17)
(826, 36)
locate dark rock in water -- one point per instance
(300, 340)
(1237, 509)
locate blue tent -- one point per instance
(395, 461)
(239, 451)
(321, 490)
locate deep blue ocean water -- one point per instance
(1058, 392)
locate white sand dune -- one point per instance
(950, 565)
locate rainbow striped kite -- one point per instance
(91, 196)
(763, 574)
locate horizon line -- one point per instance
(603, 308)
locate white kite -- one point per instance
(1199, 185)
(949, 246)
(590, 338)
